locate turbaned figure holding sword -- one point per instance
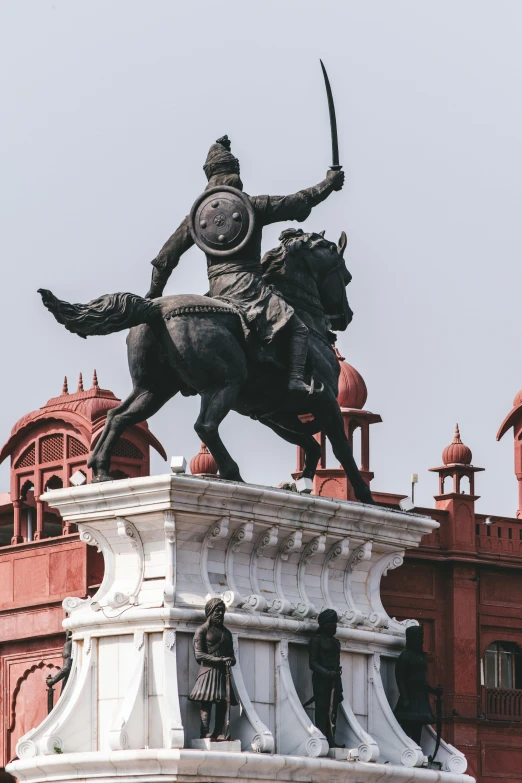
(214, 652)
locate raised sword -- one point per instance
(333, 121)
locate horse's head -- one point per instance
(313, 261)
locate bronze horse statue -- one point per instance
(197, 345)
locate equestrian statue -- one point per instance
(260, 342)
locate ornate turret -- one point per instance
(457, 494)
(457, 453)
(456, 459)
(50, 446)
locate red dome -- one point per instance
(352, 388)
(456, 452)
(203, 464)
(518, 399)
(84, 409)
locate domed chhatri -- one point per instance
(352, 388)
(457, 453)
(203, 463)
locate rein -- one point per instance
(310, 300)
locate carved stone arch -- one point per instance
(331, 487)
(492, 638)
(16, 691)
(54, 482)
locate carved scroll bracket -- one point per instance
(169, 527)
(243, 535)
(216, 531)
(130, 535)
(341, 549)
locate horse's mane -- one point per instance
(292, 241)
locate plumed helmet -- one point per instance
(220, 160)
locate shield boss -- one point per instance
(222, 221)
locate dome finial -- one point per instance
(65, 387)
(95, 381)
(203, 463)
(80, 383)
(352, 388)
(457, 453)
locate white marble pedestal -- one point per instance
(277, 558)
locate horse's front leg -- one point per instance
(329, 415)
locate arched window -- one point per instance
(503, 666)
(447, 485)
(26, 487)
(54, 483)
(464, 485)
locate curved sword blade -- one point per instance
(333, 121)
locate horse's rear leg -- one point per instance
(139, 405)
(290, 433)
(214, 407)
(331, 420)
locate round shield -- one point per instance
(221, 221)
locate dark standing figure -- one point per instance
(214, 652)
(239, 277)
(325, 662)
(65, 671)
(413, 709)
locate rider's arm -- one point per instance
(168, 258)
(299, 205)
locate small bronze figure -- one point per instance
(325, 662)
(214, 652)
(413, 709)
(64, 672)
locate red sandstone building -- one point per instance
(464, 583)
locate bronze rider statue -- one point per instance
(238, 277)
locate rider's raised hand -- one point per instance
(337, 179)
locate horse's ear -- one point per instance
(321, 234)
(341, 247)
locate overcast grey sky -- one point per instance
(108, 112)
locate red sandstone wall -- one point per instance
(464, 607)
(34, 579)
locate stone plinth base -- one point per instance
(232, 746)
(148, 766)
(276, 558)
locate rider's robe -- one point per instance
(239, 279)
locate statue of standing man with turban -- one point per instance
(214, 652)
(324, 652)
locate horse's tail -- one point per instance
(108, 314)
